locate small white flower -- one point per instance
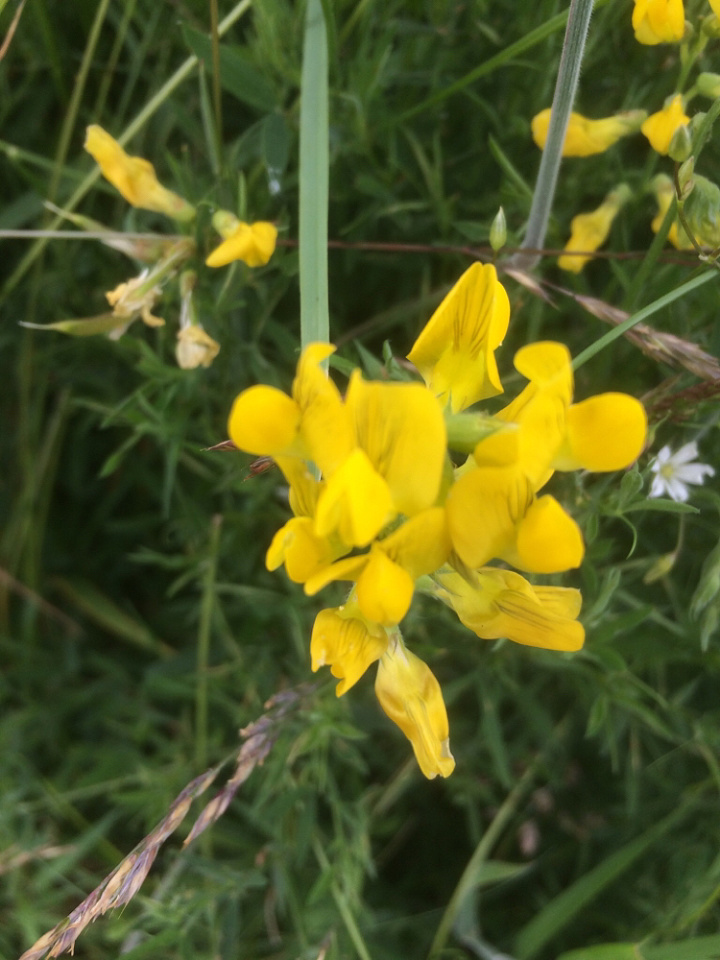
(673, 471)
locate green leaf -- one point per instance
(86, 327)
(566, 906)
(663, 506)
(107, 615)
(604, 951)
(236, 75)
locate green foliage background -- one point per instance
(590, 782)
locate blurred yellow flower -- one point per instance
(588, 231)
(455, 353)
(660, 127)
(134, 177)
(665, 194)
(585, 137)
(658, 21)
(410, 695)
(253, 243)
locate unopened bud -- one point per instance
(708, 84)
(680, 148)
(498, 231)
(662, 566)
(225, 222)
(686, 178)
(703, 211)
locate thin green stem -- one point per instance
(203, 649)
(314, 176)
(641, 315)
(342, 904)
(565, 89)
(480, 855)
(78, 90)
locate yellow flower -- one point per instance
(386, 575)
(605, 432)
(410, 695)
(312, 424)
(491, 512)
(455, 353)
(586, 137)
(715, 4)
(253, 243)
(665, 194)
(499, 603)
(134, 177)
(195, 347)
(658, 21)
(590, 230)
(343, 639)
(660, 127)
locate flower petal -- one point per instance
(347, 643)
(134, 177)
(455, 352)
(410, 695)
(401, 428)
(605, 432)
(264, 421)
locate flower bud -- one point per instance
(686, 178)
(680, 148)
(702, 210)
(498, 231)
(708, 84)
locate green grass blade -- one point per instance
(567, 905)
(641, 315)
(314, 162)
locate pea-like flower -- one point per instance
(585, 137)
(658, 21)
(378, 501)
(455, 353)
(134, 177)
(589, 231)
(253, 243)
(660, 127)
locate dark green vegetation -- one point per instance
(139, 628)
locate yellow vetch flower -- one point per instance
(312, 424)
(604, 432)
(343, 639)
(134, 177)
(658, 21)
(660, 127)
(455, 353)
(664, 194)
(585, 137)
(253, 243)
(401, 428)
(499, 603)
(386, 575)
(715, 4)
(539, 410)
(590, 230)
(410, 695)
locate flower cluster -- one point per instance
(379, 498)
(135, 179)
(668, 131)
